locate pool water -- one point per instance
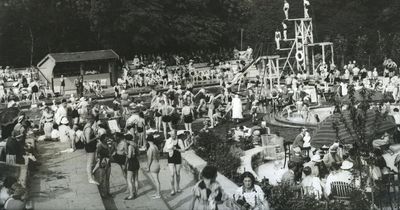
(309, 118)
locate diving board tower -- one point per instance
(300, 56)
(270, 71)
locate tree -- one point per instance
(340, 47)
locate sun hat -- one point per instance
(346, 165)
(334, 147)
(64, 121)
(180, 132)
(316, 158)
(20, 118)
(297, 150)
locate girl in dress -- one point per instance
(47, 121)
(250, 195)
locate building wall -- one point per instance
(70, 81)
(47, 68)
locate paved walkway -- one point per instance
(61, 181)
(147, 188)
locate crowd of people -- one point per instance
(315, 173)
(21, 86)
(158, 73)
(119, 133)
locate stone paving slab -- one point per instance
(118, 187)
(60, 182)
(119, 190)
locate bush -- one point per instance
(216, 151)
(246, 143)
(284, 197)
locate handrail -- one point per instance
(244, 71)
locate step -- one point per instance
(285, 48)
(288, 40)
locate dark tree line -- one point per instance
(366, 30)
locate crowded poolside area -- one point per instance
(172, 115)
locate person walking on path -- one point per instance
(62, 85)
(132, 167)
(153, 164)
(120, 151)
(166, 112)
(187, 116)
(141, 130)
(90, 148)
(174, 147)
(102, 169)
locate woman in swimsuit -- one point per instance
(120, 151)
(174, 147)
(153, 164)
(187, 116)
(90, 147)
(157, 110)
(132, 167)
(166, 112)
(47, 120)
(211, 107)
(171, 95)
(141, 130)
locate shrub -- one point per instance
(284, 197)
(216, 151)
(246, 143)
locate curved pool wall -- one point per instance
(305, 119)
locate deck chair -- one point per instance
(57, 89)
(341, 190)
(103, 83)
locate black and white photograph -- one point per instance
(199, 105)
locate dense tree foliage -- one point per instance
(366, 30)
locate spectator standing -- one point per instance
(90, 148)
(153, 165)
(62, 85)
(132, 167)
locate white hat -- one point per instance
(20, 118)
(64, 120)
(82, 99)
(297, 150)
(316, 158)
(179, 132)
(346, 165)
(334, 147)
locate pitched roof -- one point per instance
(84, 56)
